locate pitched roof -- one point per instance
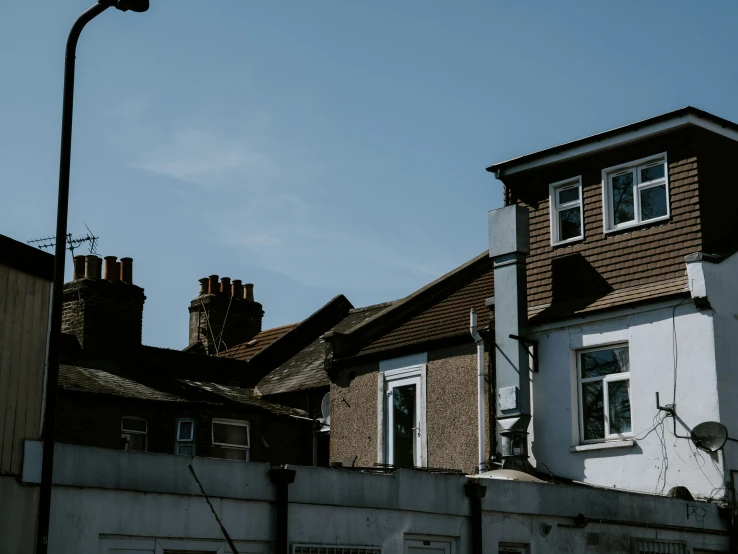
(615, 137)
(99, 381)
(616, 299)
(437, 312)
(446, 319)
(26, 258)
(306, 369)
(249, 349)
(86, 379)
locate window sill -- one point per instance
(632, 226)
(568, 242)
(627, 443)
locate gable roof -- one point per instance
(306, 369)
(617, 137)
(249, 349)
(435, 314)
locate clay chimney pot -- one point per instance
(92, 267)
(126, 270)
(213, 285)
(79, 267)
(225, 286)
(112, 273)
(204, 286)
(249, 292)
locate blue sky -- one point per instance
(324, 147)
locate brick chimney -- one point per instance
(105, 314)
(223, 314)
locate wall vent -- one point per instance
(324, 549)
(650, 546)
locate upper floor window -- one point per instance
(185, 439)
(636, 193)
(134, 432)
(231, 439)
(604, 393)
(565, 199)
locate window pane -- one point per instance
(605, 362)
(570, 223)
(185, 449)
(131, 424)
(622, 198)
(223, 433)
(651, 173)
(404, 421)
(593, 413)
(230, 453)
(568, 195)
(134, 442)
(185, 431)
(618, 393)
(653, 202)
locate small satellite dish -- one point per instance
(710, 436)
(325, 408)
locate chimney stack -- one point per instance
(225, 312)
(509, 244)
(106, 315)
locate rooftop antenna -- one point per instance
(72, 242)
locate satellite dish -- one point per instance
(325, 408)
(710, 436)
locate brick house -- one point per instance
(115, 392)
(613, 262)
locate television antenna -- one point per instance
(73, 243)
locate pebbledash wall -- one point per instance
(109, 501)
(357, 410)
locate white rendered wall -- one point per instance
(656, 461)
(721, 286)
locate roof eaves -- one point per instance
(26, 258)
(345, 344)
(617, 137)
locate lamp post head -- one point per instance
(133, 5)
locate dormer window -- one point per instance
(636, 193)
(566, 211)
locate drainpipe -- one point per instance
(282, 478)
(481, 440)
(475, 492)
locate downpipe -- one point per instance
(481, 438)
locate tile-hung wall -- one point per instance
(632, 256)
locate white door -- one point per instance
(403, 422)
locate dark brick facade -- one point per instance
(220, 320)
(604, 262)
(105, 316)
(95, 420)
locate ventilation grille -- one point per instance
(648, 546)
(319, 549)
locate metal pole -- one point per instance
(52, 376)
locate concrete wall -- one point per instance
(18, 511)
(105, 499)
(655, 461)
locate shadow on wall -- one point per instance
(575, 284)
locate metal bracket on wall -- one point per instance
(528, 343)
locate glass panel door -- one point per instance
(403, 418)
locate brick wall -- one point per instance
(238, 319)
(103, 315)
(617, 260)
(95, 420)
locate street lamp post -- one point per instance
(52, 375)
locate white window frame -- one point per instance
(238, 422)
(388, 380)
(181, 442)
(555, 208)
(613, 377)
(124, 431)
(635, 167)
